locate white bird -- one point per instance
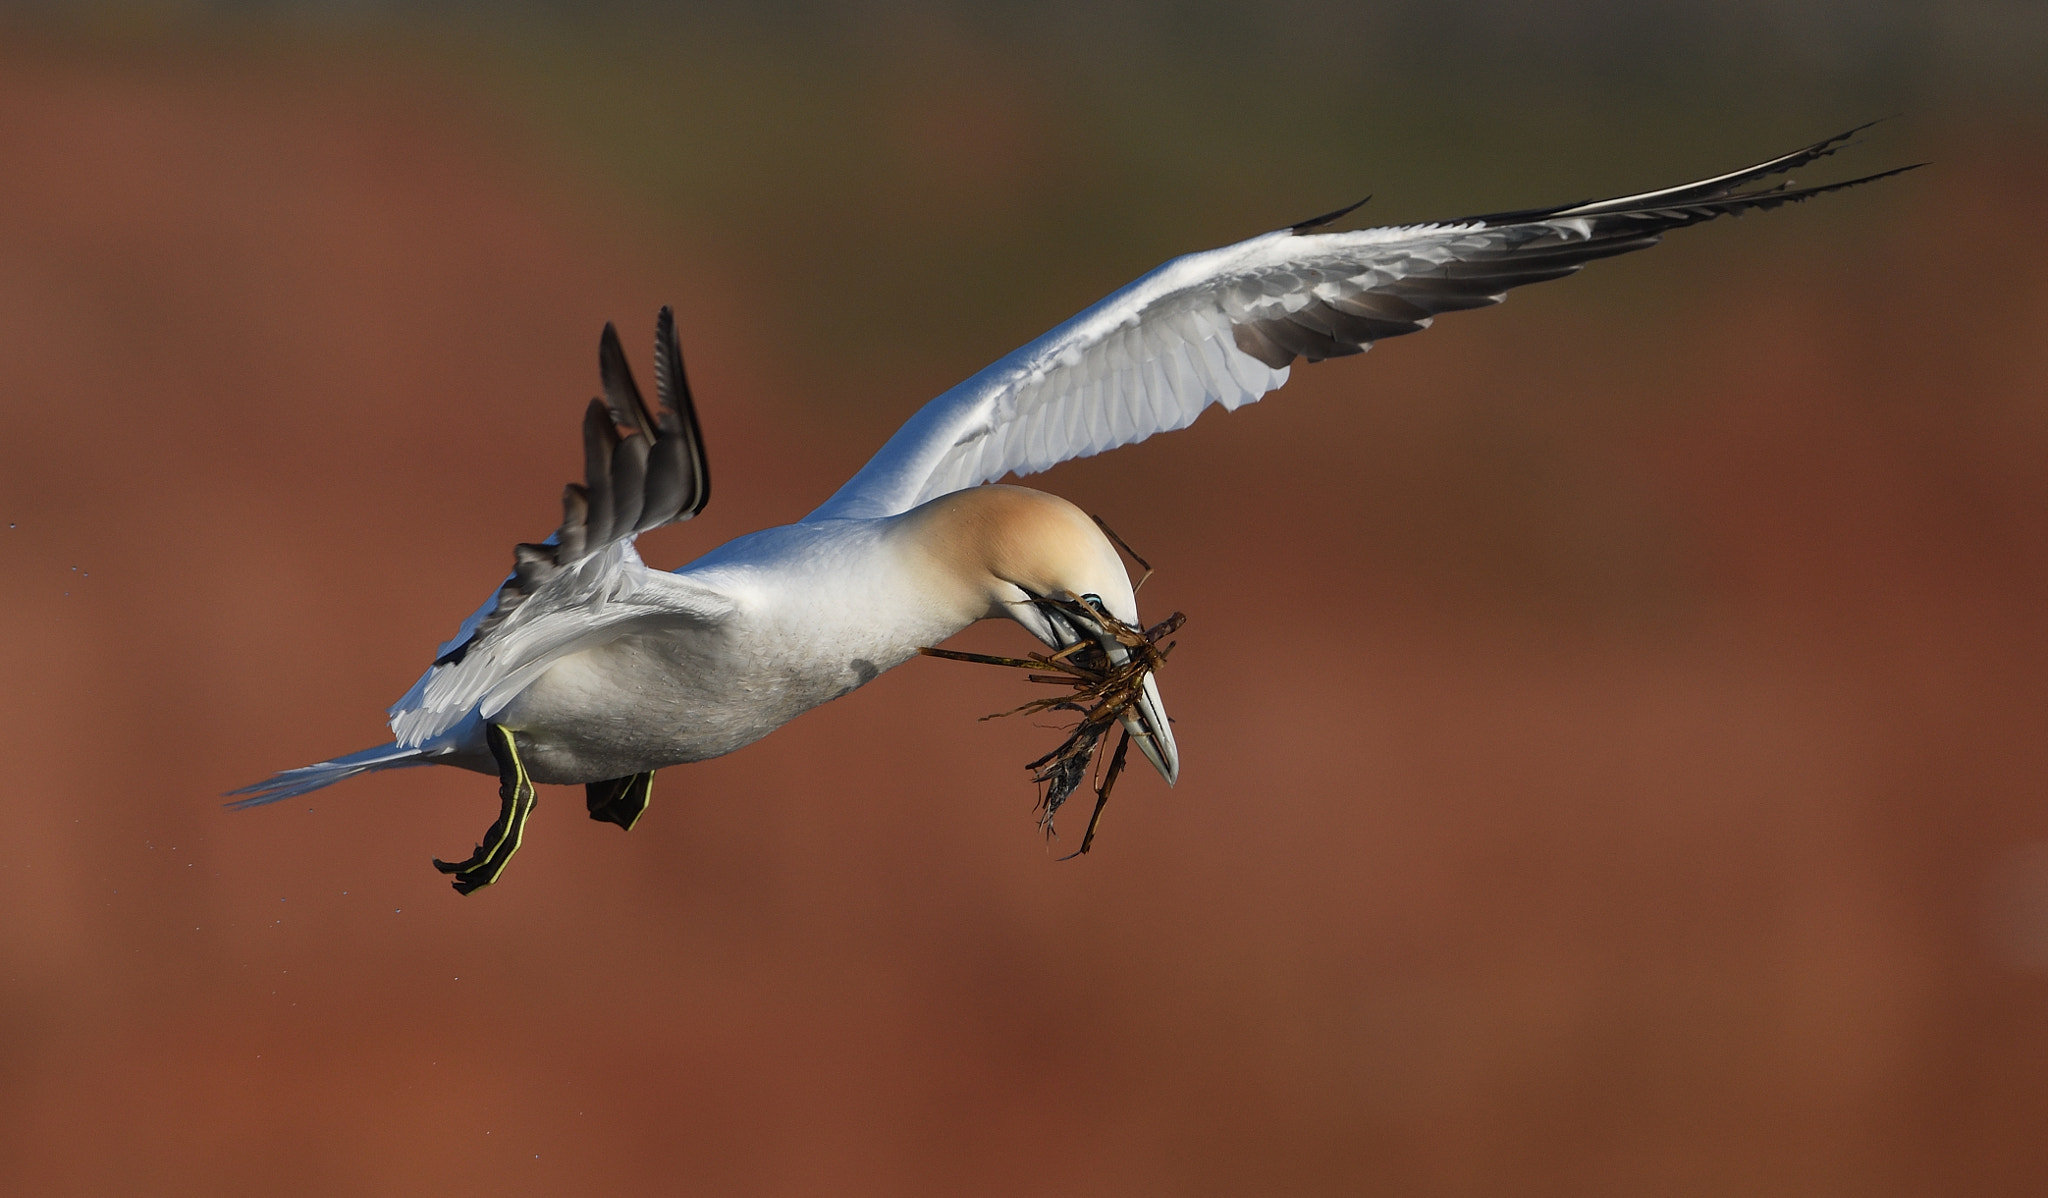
(586, 667)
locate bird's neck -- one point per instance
(980, 552)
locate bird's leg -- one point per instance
(621, 800)
(501, 839)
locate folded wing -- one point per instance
(1223, 327)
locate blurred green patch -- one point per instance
(894, 194)
(924, 185)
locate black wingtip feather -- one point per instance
(621, 392)
(1317, 222)
(1763, 199)
(1719, 187)
(678, 467)
(671, 384)
(600, 439)
(654, 474)
(1528, 246)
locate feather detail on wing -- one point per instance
(585, 583)
(594, 601)
(653, 474)
(1223, 327)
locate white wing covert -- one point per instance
(1222, 327)
(585, 583)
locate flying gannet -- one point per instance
(588, 668)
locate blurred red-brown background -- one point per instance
(1613, 723)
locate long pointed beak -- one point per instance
(1146, 721)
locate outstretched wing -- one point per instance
(1222, 327)
(642, 468)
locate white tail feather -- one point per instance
(292, 783)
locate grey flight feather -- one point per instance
(652, 473)
(678, 477)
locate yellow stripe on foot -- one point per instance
(516, 797)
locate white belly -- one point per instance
(649, 700)
(811, 624)
(818, 611)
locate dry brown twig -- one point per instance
(1102, 690)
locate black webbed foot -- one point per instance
(501, 839)
(620, 801)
